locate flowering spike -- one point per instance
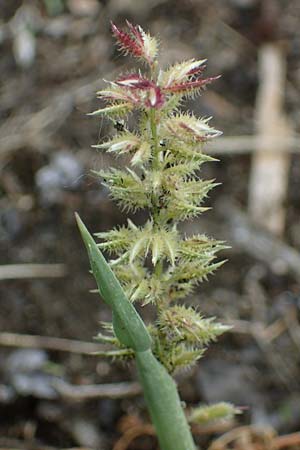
(167, 151)
(153, 262)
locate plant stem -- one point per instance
(155, 161)
(160, 390)
(155, 166)
(164, 404)
(153, 126)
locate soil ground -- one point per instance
(54, 54)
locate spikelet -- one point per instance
(180, 323)
(136, 42)
(178, 73)
(187, 128)
(114, 110)
(206, 414)
(126, 188)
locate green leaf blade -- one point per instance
(128, 326)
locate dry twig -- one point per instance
(33, 444)
(88, 392)
(246, 438)
(287, 441)
(254, 438)
(48, 343)
(234, 145)
(132, 427)
(269, 173)
(20, 271)
(132, 433)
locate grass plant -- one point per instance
(155, 263)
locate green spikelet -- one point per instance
(206, 414)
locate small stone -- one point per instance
(24, 48)
(62, 173)
(69, 169)
(86, 434)
(34, 384)
(25, 361)
(7, 394)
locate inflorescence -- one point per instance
(155, 263)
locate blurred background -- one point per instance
(54, 55)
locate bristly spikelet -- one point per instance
(124, 143)
(180, 72)
(181, 357)
(207, 414)
(180, 323)
(136, 42)
(189, 129)
(127, 143)
(126, 188)
(184, 79)
(114, 110)
(150, 46)
(154, 262)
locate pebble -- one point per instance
(25, 371)
(64, 172)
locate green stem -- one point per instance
(155, 166)
(153, 126)
(164, 404)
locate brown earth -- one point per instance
(54, 54)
